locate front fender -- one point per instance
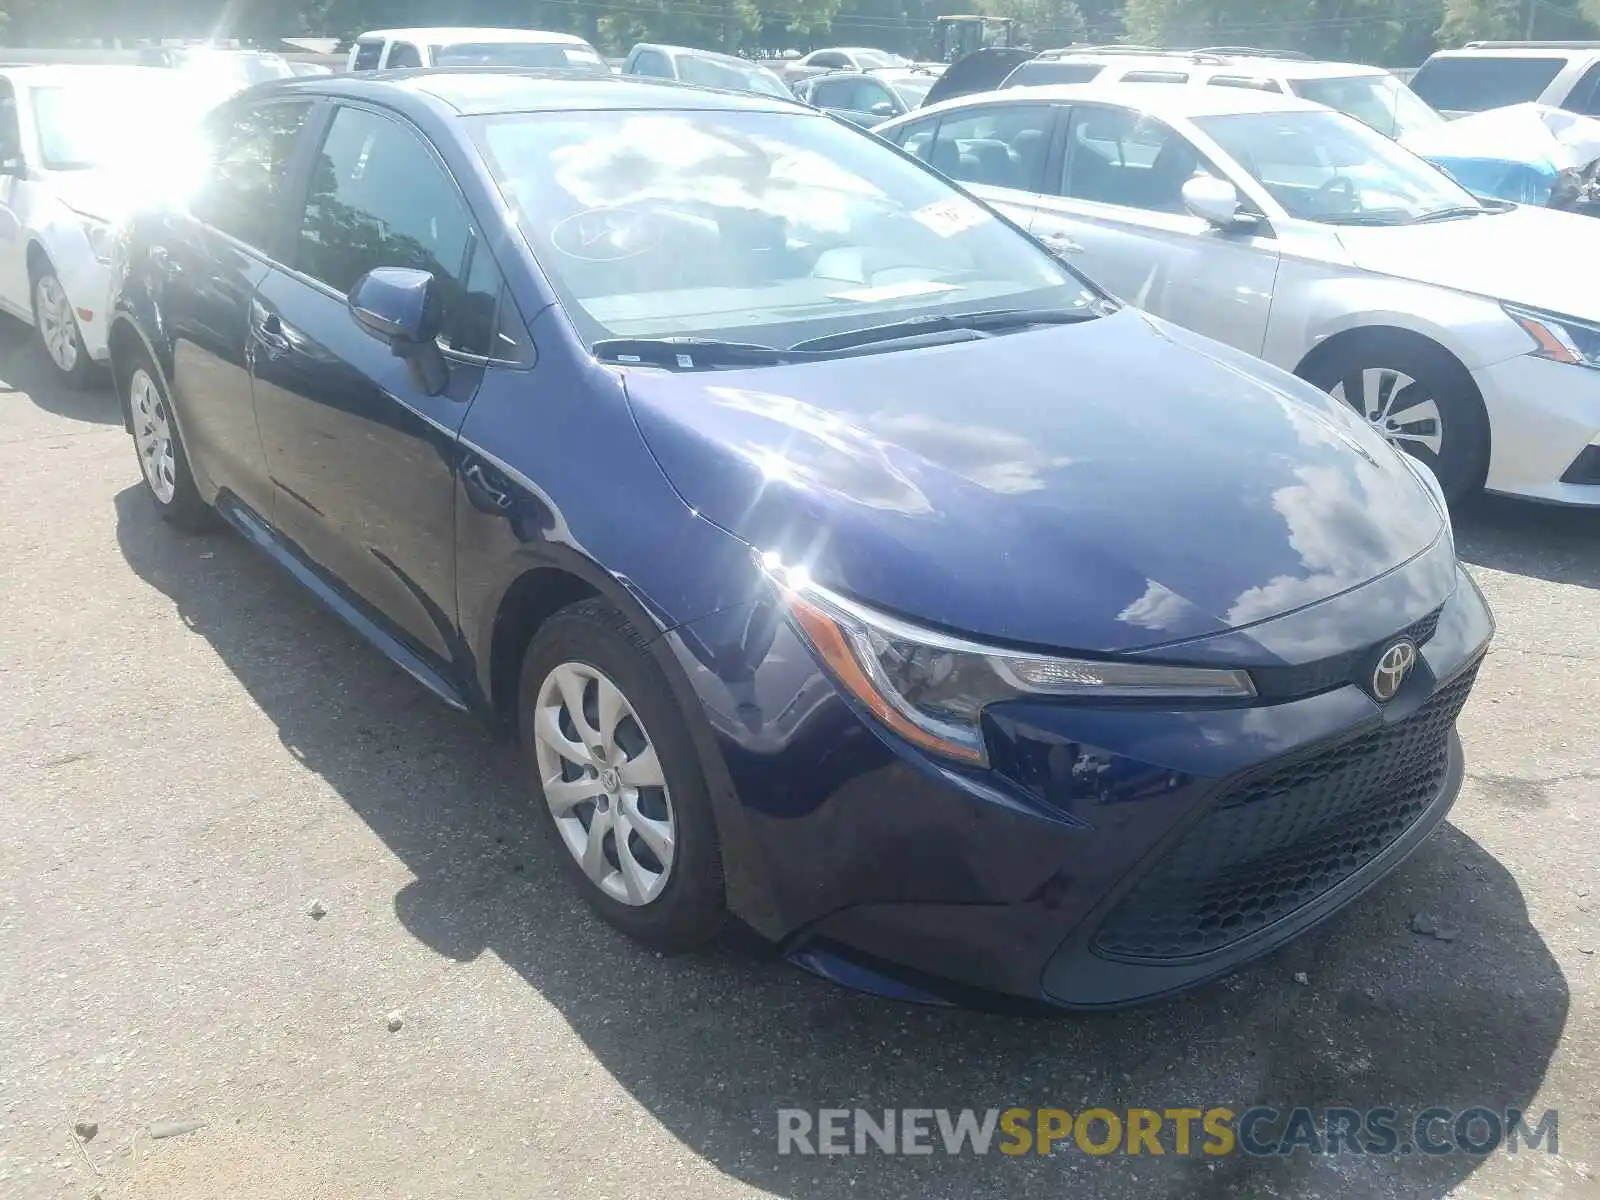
(1475, 329)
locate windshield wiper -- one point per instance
(1451, 213)
(988, 321)
(1362, 219)
(689, 353)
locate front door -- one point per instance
(1115, 209)
(362, 457)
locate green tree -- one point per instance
(1043, 22)
(1465, 20)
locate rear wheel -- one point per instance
(57, 328)
(1418, 397)
(618, 778)
(162, 460)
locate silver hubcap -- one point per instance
(57, 327)
(603, 783)
(152, 435)
(1399, 407)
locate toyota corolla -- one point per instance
(843, 561)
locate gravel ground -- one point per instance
(192, 752)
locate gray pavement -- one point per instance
(192, 752)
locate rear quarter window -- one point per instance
(1031, 74)
(1475, 84)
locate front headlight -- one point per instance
(101, 234)
(1560, 339)
(931, 688)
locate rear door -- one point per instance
(207, 262)
(999, 151)
(1114, 203)
(362, 458)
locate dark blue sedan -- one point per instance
(842, 561)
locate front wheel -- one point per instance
(1417, 396)
(162, 460)
(57, 328)
(618, 778)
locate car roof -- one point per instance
(695, 51)
(484, 91)
(45, 74)
(1531, 51)
(468, 33)
(1163, 100)
(1244, 64)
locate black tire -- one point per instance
(1461, 461)
(183, 509)
(82, 372)
(690, 909)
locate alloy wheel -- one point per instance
(604, 784)
(152, 435)
(57, 329)
(1398, 407)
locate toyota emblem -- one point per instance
(1392, 669)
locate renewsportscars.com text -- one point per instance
(1178, 1132)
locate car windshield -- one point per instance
(532, 55)
(1325, 166)
(1476, 84)
(110, 121)
(766, 226)
(1382, 101)
(733, 76)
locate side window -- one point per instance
(368, 55)
(474, 327)
(916, 138)
(1118, 156)
(652, 62)
(831, 59)
(248, 153)
(1585, 95)
(10, 130)
(1156, 77)
(1003, 145)
(856, 95)
(379, 199)
(403, 54)
(1244, 81)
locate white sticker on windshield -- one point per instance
(950, 217)
(895, 291)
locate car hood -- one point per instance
(1526, 256)
(1107, 486)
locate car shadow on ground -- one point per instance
(1542, 541)
(714, 1044)
(23, 368)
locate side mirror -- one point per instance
(1217, 201)
(401, 308)
(884, 109)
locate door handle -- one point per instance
(1060, 243)
(267, 329)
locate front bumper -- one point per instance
(1542, 418)
(1096, 862)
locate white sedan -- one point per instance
(1467, 332)
(77, 147)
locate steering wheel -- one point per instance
(1338, 186)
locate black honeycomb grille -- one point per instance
(1282, 683)
(1279, 842)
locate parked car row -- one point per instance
(844, 560)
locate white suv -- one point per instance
(462, 46)
(1369, 94)
(1487, 75)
